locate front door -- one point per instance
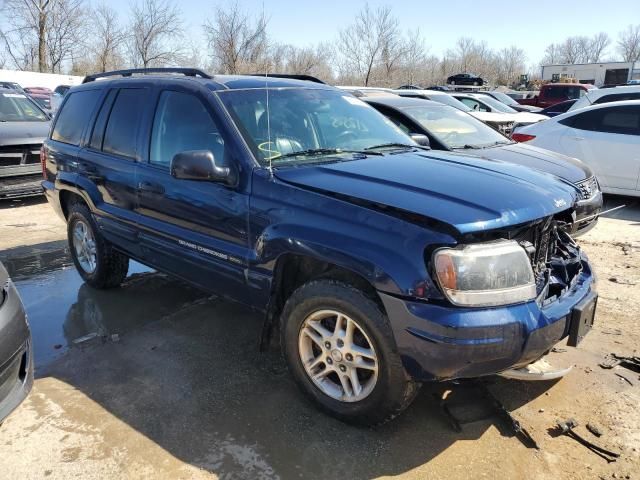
(194, 229)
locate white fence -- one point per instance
(34, 79)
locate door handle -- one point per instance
(578, 138)
(150, 187)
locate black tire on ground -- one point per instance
(394, 389)
(111, 266)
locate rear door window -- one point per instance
(74, 116)
(121, 133)
(621, 120)
(618, 97)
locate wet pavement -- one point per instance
(64, 312)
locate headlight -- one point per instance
(486, 274)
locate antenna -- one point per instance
(268, 112)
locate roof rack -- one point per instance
(308, 78)
(189, 72)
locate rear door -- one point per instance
(70, 127)
(193, 229)
(108, 162)
(608, 140)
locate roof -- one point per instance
(402, 102)
(216, 82)
(411, 91)
(619, 90)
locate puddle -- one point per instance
(61, 308)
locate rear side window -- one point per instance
(621, 120)
(74, 116)
(121, 133)
(619, 97)
(624, 120)
(183, 123)
(101, 122)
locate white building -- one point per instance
(598, 74)
(35, 79)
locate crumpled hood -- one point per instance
(469, 193)
(567, 168)
(20, 133)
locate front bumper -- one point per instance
(439, 342)
(16, 353)
(586, 215)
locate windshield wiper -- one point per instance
(322, 151)
(394, 144)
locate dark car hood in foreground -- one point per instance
(567, 168)
(20, 133)
(469, 193)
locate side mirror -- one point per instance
(421, 139)
(201, 165)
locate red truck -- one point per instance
(553, 93)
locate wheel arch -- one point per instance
(292, 270)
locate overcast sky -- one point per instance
(531, 25)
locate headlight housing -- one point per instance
(485, 274)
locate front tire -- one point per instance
(97, 262)
(340, 349)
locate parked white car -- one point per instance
(606, 95)
(606, 137)
(504, 124)
(485, 104)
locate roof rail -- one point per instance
(308, 78)
(189, 72)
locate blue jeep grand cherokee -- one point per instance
(381, 263)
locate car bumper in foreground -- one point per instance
(16, 354)
(438, 342)
(20, 186)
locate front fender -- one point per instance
(386, 250)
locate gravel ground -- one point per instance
(182, 392)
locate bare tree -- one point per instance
(237, 41)
(598, 46)
(362, 43)
(156, 31)
(629, 43)
(552, 55)
(24, 32)
(108, 37)
(415, 58)
(307, 60)
(511, 64)
(66, 32)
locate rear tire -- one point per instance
(381, 388)
(97, 262)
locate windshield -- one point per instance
(449, 100)
(455, 129)
(306, 124)
(504, 98)
(16, 107)
(495, 104)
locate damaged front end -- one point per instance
(447, 339)
(556, 259)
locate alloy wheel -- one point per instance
(84, 246)
(338, 356)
